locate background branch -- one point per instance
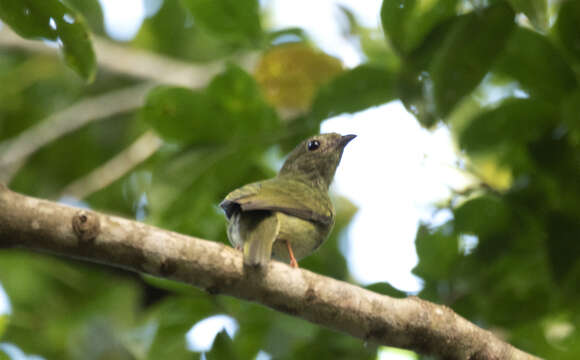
(407, 323)
(17, 149)
(138, 63)
(101, 177)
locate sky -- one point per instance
(393, 171)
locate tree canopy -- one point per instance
(203, 98)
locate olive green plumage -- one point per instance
(290, 213)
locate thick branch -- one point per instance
(409, 323)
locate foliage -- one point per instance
(444, 60)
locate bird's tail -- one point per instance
(259, 239)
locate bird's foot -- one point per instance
(293, 262)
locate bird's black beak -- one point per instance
(346, 139)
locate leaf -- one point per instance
(514, 121)
(386, 289)
(4, 319)
(537, 65)
(290, 74)
(175, 316)
(562, 242)
(52, 20)
(231, 107)
(222, 348)
(567, 29)
(239, 106)
(571, 116)
(355, 90)
(468, 52)
(407, 22)
(482, 216)
(438, 251)
(176, 113)
(535, 10)
(233, 20)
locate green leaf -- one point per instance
(571, 116)
(535, 10)
(236, 20)
(407, 22)
(386, 289)
(52, 20)
(175, 316)
(177, 114)
(484, 215)
(563, 245)
(567, 27)
(467, 54)
(231, 107)
(354, 90)
(438, 251)
(515, 121)
(4, 319)
(537, 65)
(222, 348)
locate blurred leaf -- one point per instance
(562, 242)
(91, 11)
(341, 346)
(355, 90)
(535, 10)
(537, 65)
(290, 74)
(177, 114)
(235, 20)
(386, 289)
(514, 121)
(571, 117)
(4, 319)
(407, 22)
(222, 348)
(567, 28)
(52, 20)
(468, 52)
(139, 339)
(483, 215)
(172, 31)
(174, 317)
(438, 251)
(84, 304)
(231, 107)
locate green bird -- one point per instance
(289, 216)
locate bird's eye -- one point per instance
(313, 145)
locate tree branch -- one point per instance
(409, 323)
(138, 63)
(62, 122)
(103, 176)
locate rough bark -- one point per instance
(409, 323)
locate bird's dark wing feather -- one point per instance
(281, 194)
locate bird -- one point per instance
(290, 215)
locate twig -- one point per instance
(409, 323)
(145, 146)
(65, 121)
(138, 63)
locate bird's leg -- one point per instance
(293, 261)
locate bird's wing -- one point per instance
(285, 195)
